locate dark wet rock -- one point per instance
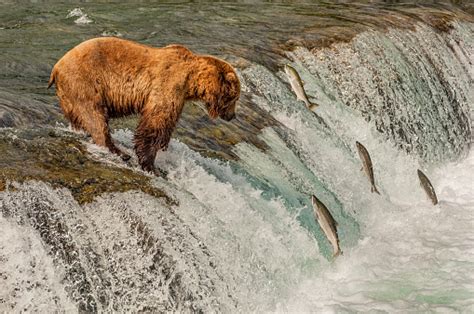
(216, 138)
(326, 32)
(26, 111)
(61, 160)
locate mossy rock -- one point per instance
(61, 160)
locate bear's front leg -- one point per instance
(150, 137)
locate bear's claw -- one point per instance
(125, 157)
(160, 172)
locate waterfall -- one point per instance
(237, 233)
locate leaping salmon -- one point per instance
(367, 166)
(327, 223)
(426, 184)
(297, 85)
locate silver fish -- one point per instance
(297, 85)
(327, 223)
(367, 165)
(426, 184)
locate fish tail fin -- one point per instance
(312, 105)
(374, 189)
(52, 78)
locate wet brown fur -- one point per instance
(106, 78)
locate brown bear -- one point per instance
(109, 77)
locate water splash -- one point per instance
(82, 18)
(110, 256)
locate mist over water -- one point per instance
(236, 232)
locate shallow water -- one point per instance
(240, 233)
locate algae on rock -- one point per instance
(61, 160)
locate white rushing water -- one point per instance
(411, 257)
(243, 236)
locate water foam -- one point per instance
(412, 257)
(256, 239)
(28, 278)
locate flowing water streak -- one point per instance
(108, 257)
(414, 86)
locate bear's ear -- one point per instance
(232, 84)
(228, 82)
(230, 77)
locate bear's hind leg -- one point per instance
(85, 113)
(95, 123)
(69, 112)
(101, 135)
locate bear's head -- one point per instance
(221, 89)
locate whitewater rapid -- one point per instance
(411, 255)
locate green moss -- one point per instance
(62, 161)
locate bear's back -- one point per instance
(116, 56)
(120, 74)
